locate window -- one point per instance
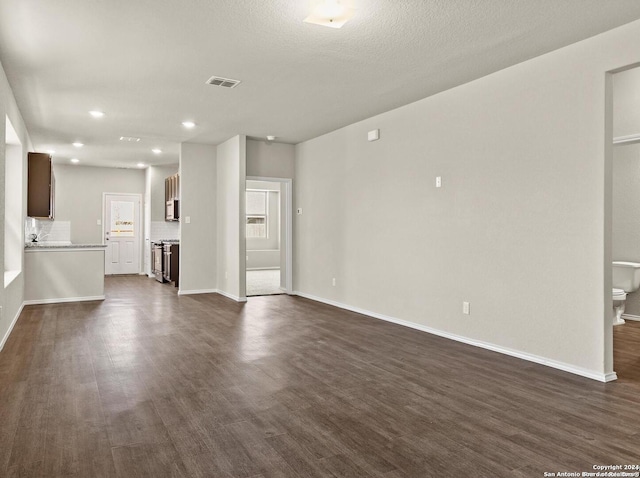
(257, 207)
(13, 220)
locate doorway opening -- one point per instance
(623, 249)
(122, 233)
(268, 235)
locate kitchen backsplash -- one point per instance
(60, 231)
(57, 231)
(164, 230)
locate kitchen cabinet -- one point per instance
(171, 262)
(172, 198)
(40, 186)
(63, 273)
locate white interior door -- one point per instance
(122, 234)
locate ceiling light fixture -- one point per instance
(78, 145)
(129, 139)
(51, 151)
(271, 138)
(330, 13)
(74, 160)
(141, 165)
(188, 124)
(156, 150)
(96, 114)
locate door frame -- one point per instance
(140, 210)
(286, 187)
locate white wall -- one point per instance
(626, 103)
(273, 160)
(231, 164)
(79, 191)
(519, 229)
(198, 239)
(12, 296)
(13, 219)
(146, 256)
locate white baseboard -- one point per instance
(63, 300)
(601, 377)
(10, 329)
(231, 296)
(631, 317)
(609, 377)
(212, 291)
(197, 291)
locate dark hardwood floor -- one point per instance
(148, 384)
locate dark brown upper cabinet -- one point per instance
(40, 187)
(172, 198)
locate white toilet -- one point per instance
(626, 279)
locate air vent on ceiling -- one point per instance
(129, 139)
(224, 82)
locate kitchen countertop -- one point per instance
(60, 245)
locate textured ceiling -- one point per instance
(145, 63)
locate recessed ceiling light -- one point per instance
(271, 138)
(96, 114)
(141, 165)
(78, 145)
(157, 150)
(188, 124)
(74, 160)
(330, 13)
(51, 151)
(129, 139)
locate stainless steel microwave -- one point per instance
(172, 210)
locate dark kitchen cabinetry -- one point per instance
(172, 198)
(40, 186)
(171, 262)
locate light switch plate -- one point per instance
(187, 219)
(438, 181)
(299, 211)
(373, 135)
(99, 222)
(466, 308)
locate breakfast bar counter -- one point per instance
(63, 272)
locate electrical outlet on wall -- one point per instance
(466, 308)
(333, 282)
